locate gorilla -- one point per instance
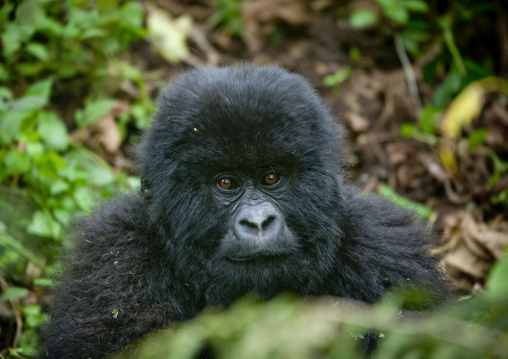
(241, 194)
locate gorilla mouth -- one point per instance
(257, 256)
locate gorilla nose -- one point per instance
(261, 223)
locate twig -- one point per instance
(409, 72)
(15, 311)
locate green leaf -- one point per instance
(84, 197)
(34, 149)
(407, 130)
(58, 186)
(28, 103)
(16, 162)
(29, 68)
(63, 216)
(43, 225)
(497, 285)
(397, 14)
(41, 89)
(49, 165)
(416, 6)
(92, 112)
(38, 50)
(429, 119)
(10, 123)
(11, 40)
(99, 175)
(477, 137)
(53, 131)
(4, 73)
(14, 293)
(44, 282)
(338, 77)
(363, 18)
(393, 196)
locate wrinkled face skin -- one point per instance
(241, 174)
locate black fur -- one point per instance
(151, 258)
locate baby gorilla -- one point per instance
(241, 194)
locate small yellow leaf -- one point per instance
(169, 35)
(448, 159)
(463, 110)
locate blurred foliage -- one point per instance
(60, 70)
(461, 84)
(286, 327)
(418, 208)
(228, 17)
(334, 80)
(168, 35)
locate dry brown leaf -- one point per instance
(356, 122)
(260, 18)
(103, 135)
(474, 247)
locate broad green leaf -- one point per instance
(38, 50)
(429, 119)
(58, 186)
(10, 123)
(16, 162)
(63, 216)
(49, 165)
(14, 293)
(477, 137)
(397, 14)
(29, 68)
(28, 103)
(34, 149)
(43, 225)
(53, 131)
(84, 197)
(4, 73)
(41, 89)
(416, 5)
(11, 40)
(92, 112)
(99, 175)
(497, 285)
(363, 18)
(5, 92)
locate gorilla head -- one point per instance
(241, 170)
(241, 194)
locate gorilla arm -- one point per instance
(109, 293)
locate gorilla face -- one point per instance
(233, 162)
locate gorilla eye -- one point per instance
(227, 183)
(271, 179)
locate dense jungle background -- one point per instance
(421, 87)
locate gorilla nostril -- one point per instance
(248, 224)
(268, 222)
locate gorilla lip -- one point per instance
(256, 256)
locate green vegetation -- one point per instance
(228, 17)
(59, 72)
(289, 328)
